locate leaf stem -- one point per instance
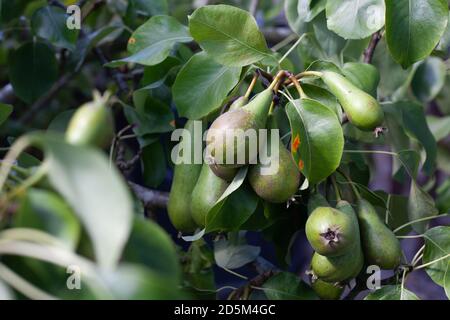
(417, 256)
(336, 189)
(298, 87)
(349, 180)
(291, 48)
(432, 262)
(251, 86)
(419, 220)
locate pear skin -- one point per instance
(326, 290)
(380, 245)
(361, 108)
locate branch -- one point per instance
(368, 53)
(258, 281)
(7, 94)
(150, 198)
(118, 76)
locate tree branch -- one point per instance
(150, 198)
(369, 52)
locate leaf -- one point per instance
(5, 112)
(364, 76)
(46, 211)
(152, 42)
(61, 121)
(355, 19)
(324, 96)
(392, 292)
(202, 85)
(414, 28)
(331, 44)
(229, 35)
(300, 12)
(151, 246)
(50, 23)
(153, 162)
(287, 286)
(420, 205)
(429, 79)
(234, 253)
(317, 139)
(443, 197)
(95, 191)
(5, 292)
(437, 245)
(151, 8)
(33, 70)
(439, 127)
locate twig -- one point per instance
(115, 73)
(368, 53)
(150, 198)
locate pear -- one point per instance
(340, 268)
(326, 290)
(207, 191)
(221, 137)
(184, 180)
(361, 108)
(238, 103)
(332, 232)
(380, 245)
(279, 186)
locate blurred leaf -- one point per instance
(61, 121)
(202, 85)
(154, 164)
(437, 245)
(364, 76)
(5, 292)
(429, 79)
(46, 211)
(300, 12)
(33, 70)
(152, 42)
(5, 112)
(95, 191)
(49, 23)
(315, 132)
(420, 205)
(234, 252)
(229, 35)
(355, 19)
(151, 246)
(151, 8)
(331, 44)
(287, 286)
(439, 126)
(443, 197)
(153, 74)
(393, 292)
(414, 27)
(410, 159)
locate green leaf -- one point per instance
(364, 76)
(234, 252)
(420, 205)
(317, 139)
(202, 85)
(437, 245)
(439, 126)
(151, 8)
(46, 211)
(331, 44)
(5, 292)
(355, 19)
(94, 190)
(287, 286)
(229, 35)
(152, 247)
(5, 112)
(393, 292)
(152, 42)
(300, 12)
(33, 70)
(49, 23)
(443, 197)
(324, 96)
(429, 79)
(61, 121)
(414, 28)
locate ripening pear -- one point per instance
(226, 136)
(331, 232)
(184, 180)
(361, 108)
(278, 186)
(207, 191)
(92, 124)
(380, 245)
(326, 290)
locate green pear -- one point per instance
(361, 108)
(207, 191)
(332, 232)
(380, 245)
(326, 290)
(184, 180)
(223, 136)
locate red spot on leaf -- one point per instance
(301, 164)
(295, 144)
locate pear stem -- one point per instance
(355, 191)
(309, 74)
(336, 189)
(251, 86)
(279, 77)
(298, 87)
(271, 107)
